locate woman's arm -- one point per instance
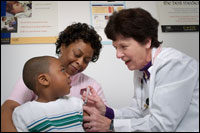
(19, 95)
(6, 116)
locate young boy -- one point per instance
(52, 111)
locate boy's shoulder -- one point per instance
(63, 101)
(71, 99)
(24, 106)
(23, 109)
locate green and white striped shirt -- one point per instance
(62, 115)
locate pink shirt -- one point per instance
(22, 94)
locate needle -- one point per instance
(85, 102)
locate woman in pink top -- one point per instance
(76, 46)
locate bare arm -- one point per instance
(6, 116)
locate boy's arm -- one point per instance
(6, 116)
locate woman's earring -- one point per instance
(60, 53)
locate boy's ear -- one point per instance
(44, 79)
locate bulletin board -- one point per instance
(179, 16)
(34, 22)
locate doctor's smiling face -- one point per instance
(134, 54)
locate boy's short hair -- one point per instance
(33, 67)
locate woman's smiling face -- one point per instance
(76, 56)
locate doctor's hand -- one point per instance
(95, 122)
(95, 101)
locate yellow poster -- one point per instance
(100, 12)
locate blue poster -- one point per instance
(5, 36)
(29, 22)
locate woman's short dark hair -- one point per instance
(81, 31)
(134, 22)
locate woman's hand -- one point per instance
(95, 122)
(95, 101)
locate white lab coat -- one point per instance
(173, 92)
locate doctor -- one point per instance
(166, 81)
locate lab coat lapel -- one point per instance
(138, 75)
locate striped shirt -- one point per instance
(62, 115)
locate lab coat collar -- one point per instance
(145, 70)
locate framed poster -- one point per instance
(29, 22)
(178, 16)
(100, 12)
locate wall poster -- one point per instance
(29, 22)
(100, 12)
(178, 16)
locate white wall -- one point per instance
(110, 72)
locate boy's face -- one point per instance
(60, 80)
